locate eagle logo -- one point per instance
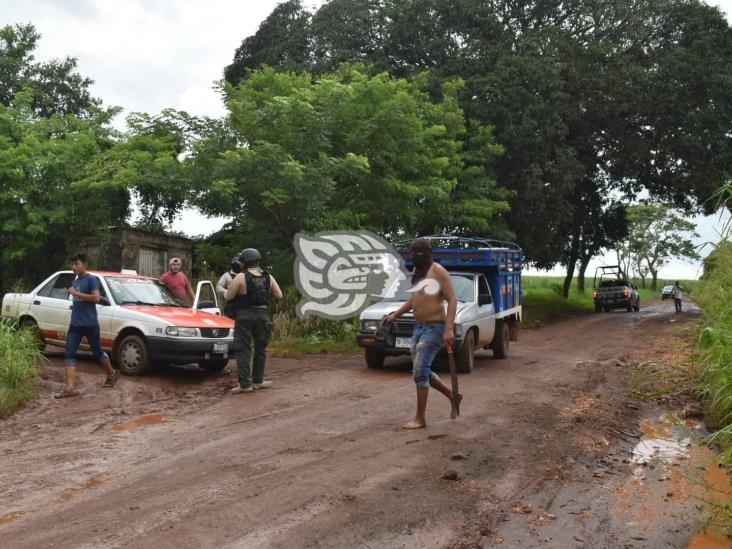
(340, 273)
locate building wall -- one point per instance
(125, 248)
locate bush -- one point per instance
(19, 353)
(714, 347)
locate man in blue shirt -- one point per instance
(84, 323)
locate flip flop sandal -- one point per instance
(66, 393)
(111, 380)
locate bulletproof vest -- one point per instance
(257, 291)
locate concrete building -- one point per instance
(143, 251)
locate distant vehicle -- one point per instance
(667, 292)
(486, 275)
(611, 289)
(142, 322)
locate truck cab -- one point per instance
(486, 276)
(611, 289)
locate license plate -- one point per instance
(403, 342)
(220, 347)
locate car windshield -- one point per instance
(462, 283)
(141, 291)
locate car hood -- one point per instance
(383, 308)
(183, 317)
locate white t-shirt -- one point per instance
(678, 294)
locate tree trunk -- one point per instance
(584, 262)
(568, 278)
(654, 274)
(643, 280)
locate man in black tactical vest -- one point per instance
(251, 291)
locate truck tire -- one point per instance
(131, 355)
(465, 357)
(629, 308)
(500, 340)
(215, 365)
(637, 306)
(374, 359)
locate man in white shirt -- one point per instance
(678, 293)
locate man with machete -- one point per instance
(430, 287)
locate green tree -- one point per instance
(57, 87)
(657, 233)
(348, 150)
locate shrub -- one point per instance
(19, 353)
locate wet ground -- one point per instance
(550, 451)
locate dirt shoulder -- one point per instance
(173, 460)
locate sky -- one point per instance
(147, 55)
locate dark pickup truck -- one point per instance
(612, 290)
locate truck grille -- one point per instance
(403, 328)
(214, 332)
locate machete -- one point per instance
(453, 374)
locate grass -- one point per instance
(19, 353)
(714, 348)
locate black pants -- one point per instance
(253, 328)
(677, 304)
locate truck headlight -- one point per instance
(180, 332)
(369, 325)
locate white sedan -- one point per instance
(141, 321)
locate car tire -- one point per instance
(31, 325)
(131, 355)
(465, 357)
(374, 358)
(214, 365)
(500, 340)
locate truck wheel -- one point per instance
(131, 355)
(500, 340)
(629, 308)
(214, 365)
(30, 325)
(374, 359)
(637, 306)
(465, 357)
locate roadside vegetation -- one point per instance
(19, 354)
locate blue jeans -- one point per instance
(73, 339)
(426, 343)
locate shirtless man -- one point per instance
(430, 287)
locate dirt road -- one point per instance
(320, 460)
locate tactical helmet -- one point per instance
(250, 257)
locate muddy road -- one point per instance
(172, 460)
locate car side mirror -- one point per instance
(485, 299)
(104, 301)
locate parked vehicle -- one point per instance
(486, 275)
(612, 290)
(667, 292)
(142, 322)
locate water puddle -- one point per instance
(670, 470)
(67, 493)
(150, 419)
(10, 517)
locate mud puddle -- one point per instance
(671, 466)
(150, 419)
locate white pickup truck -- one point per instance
(486, 276)
(141, 321)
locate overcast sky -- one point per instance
(147, 55)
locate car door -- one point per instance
(486, 311)
(206, 299)
(51, 308)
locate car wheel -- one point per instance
(31, 326)
(214, 365)
(465, 357)
(500, 340)
(131, 355)
(374, 358)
